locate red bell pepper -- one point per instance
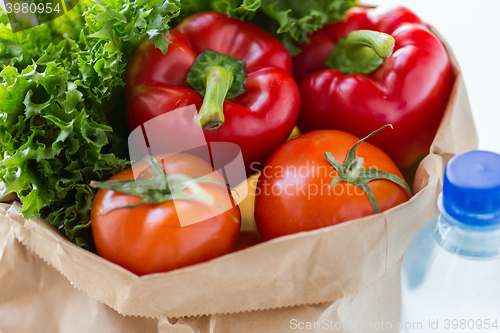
(346, 84)
(238, 76)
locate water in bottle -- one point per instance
(450, 276)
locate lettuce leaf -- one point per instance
(289, 20)
(60, 86)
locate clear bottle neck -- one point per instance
(459, 238)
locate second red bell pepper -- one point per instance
(346, 84)
(238, 76)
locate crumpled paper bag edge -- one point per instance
(25, 244)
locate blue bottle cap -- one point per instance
(471, 189)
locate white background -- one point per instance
(472, 28)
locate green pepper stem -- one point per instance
(218, 81)
(363, 51)
(382, 44)
(216, 76)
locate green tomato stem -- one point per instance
(362, 51)
(161, 188)
(352, 171)
(218, 81)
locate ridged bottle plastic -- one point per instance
(450, 276)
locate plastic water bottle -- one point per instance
(450, 276)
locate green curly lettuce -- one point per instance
(289, 20)
(60, 85)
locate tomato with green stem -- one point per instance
(146, 224)
(304, 187)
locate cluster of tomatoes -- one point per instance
(246, 92)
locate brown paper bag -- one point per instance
(343, 274)
(34, 297)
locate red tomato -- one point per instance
(293, 193)
(149, 238)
